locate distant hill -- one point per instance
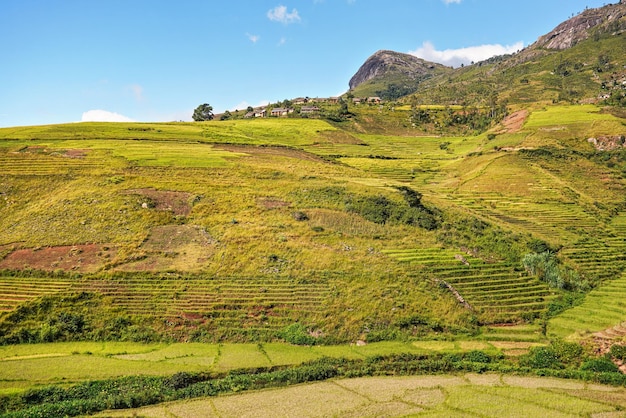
(581, 60)
(392, 74)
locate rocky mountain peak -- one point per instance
(385, 62)
(577, 29)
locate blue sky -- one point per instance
(155, 60)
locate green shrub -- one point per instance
(381, 210)
(297, 334)
(569, 354)
(599, 365)
(477, 356)
(546, 267)
(618, 351)
(541, 358)
(558, 355)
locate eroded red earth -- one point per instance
(82, 258)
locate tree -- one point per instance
(203, 112)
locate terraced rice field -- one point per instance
(546, 220)
(603, 308)
(400, 159)
(469, 395)
(36, 161)
(17, 290)
(496, 291)
(253, 303)
(601, 256)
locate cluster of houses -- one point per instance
(281, 111)
(311, 108)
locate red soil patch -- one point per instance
(82, 258)
(176, 202)
(75, 153)
(514, 122)
(272, 203)
(602, 341)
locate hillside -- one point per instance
(580, 61)
(251, 226)
(472, 224)
(357, 222)
(294, 230)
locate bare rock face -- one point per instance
(576, 29)
(608, 143)
(385, 62)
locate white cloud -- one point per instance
(253, 38)
(99, 115)
(282, 41)
(456, 57)
(452, 1)
(280, 14)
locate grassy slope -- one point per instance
(244, 197)
(533, 76)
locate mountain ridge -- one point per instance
(392, 75)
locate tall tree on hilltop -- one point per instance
(203, 112)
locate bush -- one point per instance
(297, 334)
(618, 351)
(381, 210)
(300, 216)
(477, 357)
(599, 365)
(558, 355)
(546, 267)
(541, 358)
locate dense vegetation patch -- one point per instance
(380, 209)
(547, 267)
(73, 317)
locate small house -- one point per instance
(281, 111)
(309, 109)
(374, 99)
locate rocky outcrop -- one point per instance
(608, 143)
(384, 63)
(577, 29)
(456, 294)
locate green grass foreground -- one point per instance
(136, 391)
(31, 365)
